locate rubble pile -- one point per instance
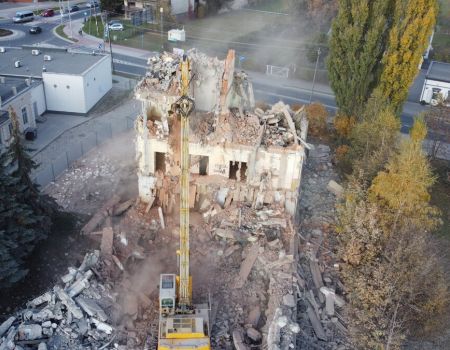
(161, 72)
(320, 291)
(72, 316)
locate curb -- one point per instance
(60, 37)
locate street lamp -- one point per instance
(161, 11)
(315, 72)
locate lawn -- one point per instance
(60, 31)
(441, 40)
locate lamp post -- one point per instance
(161, 11)
(314, 78)
(70, 19)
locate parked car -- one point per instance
(116, 26)
(35, 30)
(74, 8)
(92, 4)
(48, 13)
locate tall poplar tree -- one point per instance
(412, 24)
(356, 48)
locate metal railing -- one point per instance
(101, 132)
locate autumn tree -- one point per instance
(392, 276)
(412, 24)
(356, 47)
(403, 189)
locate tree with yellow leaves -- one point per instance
(412, 24)
(403, 188)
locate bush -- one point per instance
(344, 125)
(317, 118)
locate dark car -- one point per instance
(35, 30)
(48, 13)
(74, 8)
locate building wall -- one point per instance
(180, 7)
(428, 86)
(97, 82)
(284, 166)
(64, 92)
(24, 100)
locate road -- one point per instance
(266, 88)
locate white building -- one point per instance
(242, 153)
(437, 84)
(73, 82)
(26, 97)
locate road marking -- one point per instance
(116, 60)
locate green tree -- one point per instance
(372, 141)
(412, 24)
(25, 215)
(356, 47)
(18, 154)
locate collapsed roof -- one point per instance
(225, 110)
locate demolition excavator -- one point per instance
(182, 325)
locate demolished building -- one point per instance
(242, 153)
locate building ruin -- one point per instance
(239, 152)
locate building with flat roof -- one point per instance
(436, 86)
(26, 97)
(73, 81)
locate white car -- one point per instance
(92, 4)
(116, 26)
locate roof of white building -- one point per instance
(439, 71)
(61, 61)
(7, 85)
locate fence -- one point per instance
(101, 132)
(282, 72)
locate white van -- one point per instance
(23, 16)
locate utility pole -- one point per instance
(70, 19)
(161, 11)
(315, 72)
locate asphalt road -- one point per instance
(265, 88)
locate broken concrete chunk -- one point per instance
(78, 286)
(106, 245)
(91, 308)
(335, 188)
(29, 331)
(238, 340)
(246, 266)
(42, 346)
(6, 325)
(289, 300)
(90, 260)
(102, 326)
(44, 298)
(43, 315)
(254, 316)
(68, 302)
(315, 322)
(118, 263)
(122, 207)
(254, 335)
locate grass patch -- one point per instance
(441, 40)
(60, 31)
(5, 32)
(440, 195)
(272, 5)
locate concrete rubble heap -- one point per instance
(320, 291)
(75, 315)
